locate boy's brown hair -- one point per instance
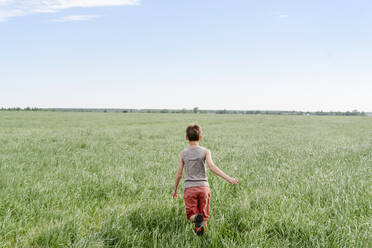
(193, 132)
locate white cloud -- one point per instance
(75, 18)
(283, 16)
(12, 8)
(10, 13)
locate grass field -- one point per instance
(105, 180)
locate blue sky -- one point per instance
(268, 55)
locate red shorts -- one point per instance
(197, 201)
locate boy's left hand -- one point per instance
(174, 194)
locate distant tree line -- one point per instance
(22, 109)
(195, 110)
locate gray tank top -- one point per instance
(194, 163)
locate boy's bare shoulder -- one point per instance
(206, 150)
(182, 152)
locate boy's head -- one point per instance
(193, 132)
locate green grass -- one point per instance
(105, 180)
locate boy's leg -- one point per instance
(192, 218)
(204, 204)
(191, 203)
(199, 228)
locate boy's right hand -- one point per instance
(233, 180)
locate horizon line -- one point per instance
(180, 109)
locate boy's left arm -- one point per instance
(178, 176)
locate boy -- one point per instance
(197, 193)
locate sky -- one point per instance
(225, 54)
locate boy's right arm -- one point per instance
(217, 170)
